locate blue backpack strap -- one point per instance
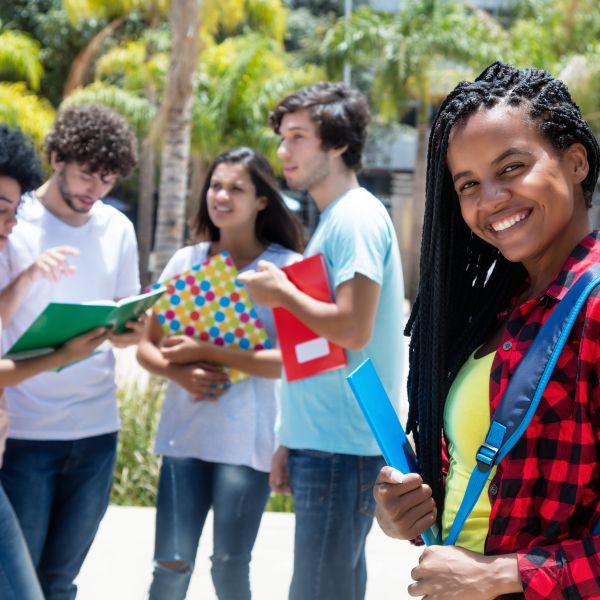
(524, 391)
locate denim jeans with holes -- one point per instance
(187, 489)
(59, 491)
(334, 507)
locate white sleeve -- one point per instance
(128, 277)
(185, 258)
(5, 271)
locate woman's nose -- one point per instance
(493, 193)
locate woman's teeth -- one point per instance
(506, 223)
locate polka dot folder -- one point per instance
(208, 302)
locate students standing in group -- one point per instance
(511, 173)
(20, 172)
(328, 455)
(217, 439)
(61, 446)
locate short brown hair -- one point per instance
(341, 114)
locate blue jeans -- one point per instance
(334, 507)
(18, 580)
(187, 488)
(59, 491)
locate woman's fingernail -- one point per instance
(397, 477)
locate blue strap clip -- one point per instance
(486, 455)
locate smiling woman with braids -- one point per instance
(512, 167)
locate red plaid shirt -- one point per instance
(545, 496)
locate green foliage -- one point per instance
(408, 51)
(20, 107)
(279, 503)
(321, 7)
(305, 48)
(46, 21)
(138, 111)
(78, 11)
(267, 17)
(137, 469)
(133, 65)
(238, 82)
(20, 58)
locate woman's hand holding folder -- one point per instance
(405, 507)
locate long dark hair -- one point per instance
(465, 282)
(275, 223)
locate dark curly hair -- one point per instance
(464, 281)
(341, 114)
(93, 135)
(18, 159)
(275, 223)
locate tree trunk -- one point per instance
(145, 211)
(176, 110)
(81, 66)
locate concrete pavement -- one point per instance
(119, 566)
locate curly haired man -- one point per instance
(61, 448)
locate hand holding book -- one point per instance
(180, 349)
(202, 380)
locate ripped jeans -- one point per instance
(187, 489)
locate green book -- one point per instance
(62, 321)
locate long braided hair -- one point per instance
(464, 281)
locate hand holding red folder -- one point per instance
(304, 352)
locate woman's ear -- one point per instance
(262, 202)
(577, 155)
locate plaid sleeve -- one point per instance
(571, 569)
(567, 570)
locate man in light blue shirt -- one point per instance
(328, 456)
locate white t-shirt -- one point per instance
(239, 428)
(78, 401)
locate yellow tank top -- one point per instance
(466, 421)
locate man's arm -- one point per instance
(347, 322)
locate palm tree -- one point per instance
(226, 17)
(19, 105)
(415, 57)
(176, 112)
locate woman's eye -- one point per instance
(467, 186)
(512, 167)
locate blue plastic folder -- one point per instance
(385, 425)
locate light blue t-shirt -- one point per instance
(356, 236)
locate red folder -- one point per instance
(305, 353)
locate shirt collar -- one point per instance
(584, 255)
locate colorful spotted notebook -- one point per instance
(209, 303)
